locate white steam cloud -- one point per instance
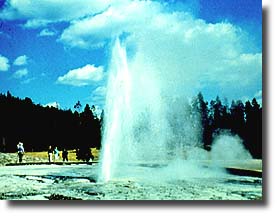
(227, 147)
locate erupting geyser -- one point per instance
(148, 122)
(142, 124)
(117, 113)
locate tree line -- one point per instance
(38, 127)
(242, 119)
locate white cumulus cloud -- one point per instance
(20, 73)
(86, 75)
(191, 53)
(4, 63)
(20, 60)
(100, 91)
(129, 16)
(98, 95)
(53, 104)
(40, 13)
(46, 33)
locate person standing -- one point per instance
(50, 152)
(20, 151)
(65, 155)
(56, 154)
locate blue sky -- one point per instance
(59, 51)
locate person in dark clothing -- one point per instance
(65, 155)
(20, 151)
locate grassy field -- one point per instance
(71, 154)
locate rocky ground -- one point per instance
(78, 182)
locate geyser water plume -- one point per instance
(149, 123)
(143, 123)
(117, 112)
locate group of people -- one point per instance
(56, 154)
(51, 152)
